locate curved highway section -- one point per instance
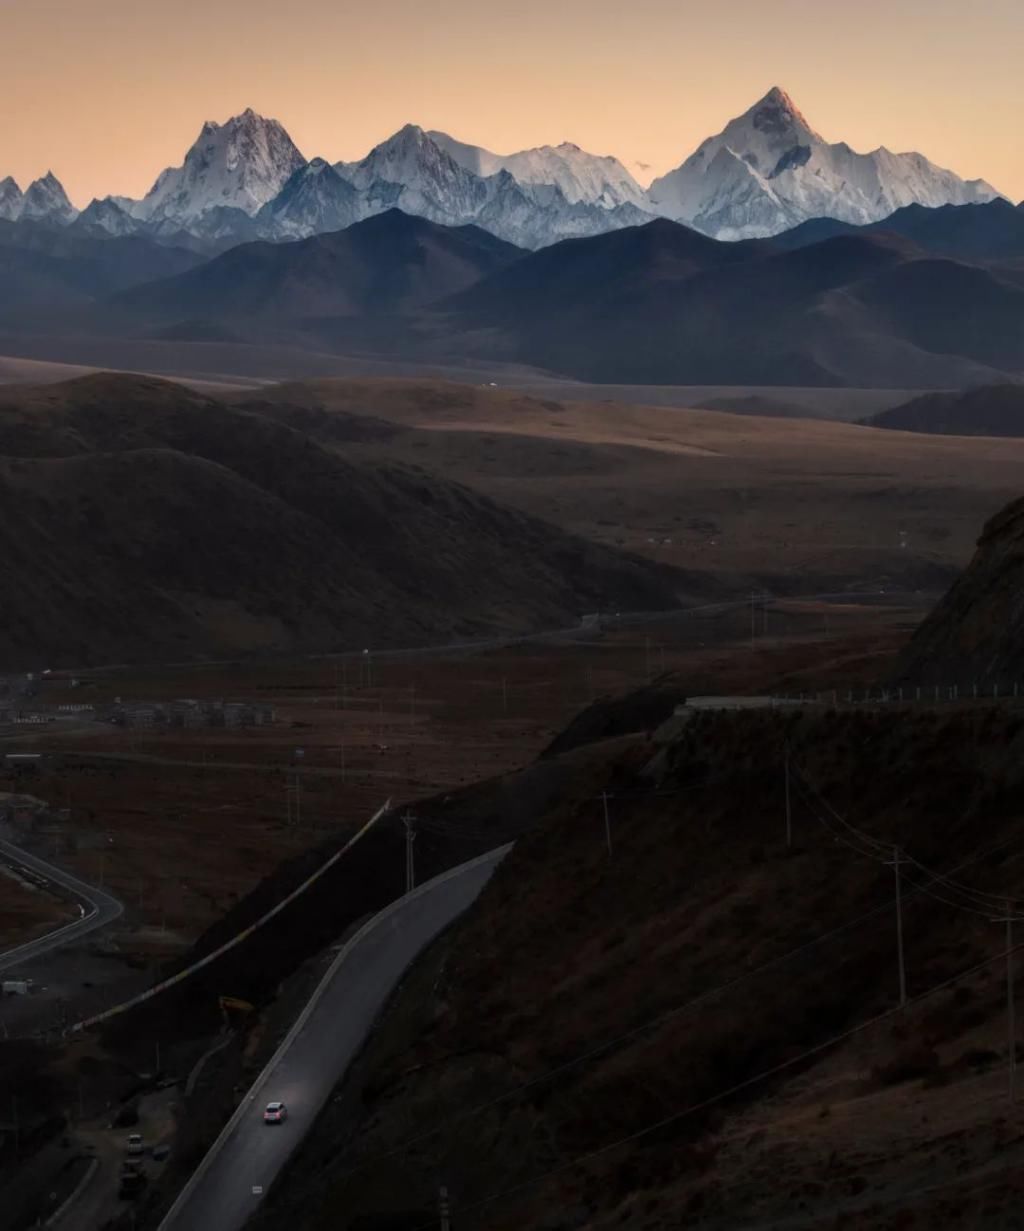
(245, 1159)
(98, 908)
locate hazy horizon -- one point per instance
(132, 92)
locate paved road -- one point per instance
(318, 1049)
(98, 908)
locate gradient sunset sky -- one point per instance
(108, 92)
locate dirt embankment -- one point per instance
(975, 636)
(680, 996)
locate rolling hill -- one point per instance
(142, 521)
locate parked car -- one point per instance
(276, 1113)
(134, 1147)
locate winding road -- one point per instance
(98, 907)
(248, 1155)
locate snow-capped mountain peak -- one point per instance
(242, 164)
(106, 216)
(407, 157)
(315, 199)
(789, 174)
(46, 201)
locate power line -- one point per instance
(982, 903)
(720, 1097)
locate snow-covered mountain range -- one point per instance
(766, 172)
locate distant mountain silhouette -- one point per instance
(993, 231)
(994, 410)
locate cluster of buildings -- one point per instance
(192, 714)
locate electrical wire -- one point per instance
(722, 1095)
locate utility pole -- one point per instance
(444, 1208)
(607, 823)
(409, 821)
(789, 810)
(895, 865)
(1011, 1024)
(293, 799)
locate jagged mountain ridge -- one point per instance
(766, 172)
(415, 173)
(582, 177)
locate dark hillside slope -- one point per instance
(992, 410)
(46, 268)
(988, 232)
(142, 520)
(976, 633)
(853, 309)
(390, 263)
(677, 1034)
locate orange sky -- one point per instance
(108, 92)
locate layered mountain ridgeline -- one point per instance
(975, 636)
(141, 520)
(701, 1025)
(643, 305)
(661, 304)
(993, 410)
